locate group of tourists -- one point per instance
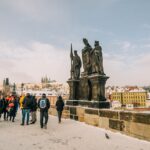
(8, 107)
(29, 105)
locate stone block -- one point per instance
(71, 116)
(92, 111)
(73, 110)
(138, 130)
(116, 124)
(141, 118)
(109, 114)
(75, 118)
(127, 116)
(81, 119)
(80, 113)
(91, 119)
(104, 122)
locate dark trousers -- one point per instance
(59, 115)
(1, 111)
(6, 114)
(43, 117)
(12, 114)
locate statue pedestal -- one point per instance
(89, 91)
(97, 83)
(74, 87)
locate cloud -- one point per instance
(123, 46)
(146, 26)
(30, 63)
(134, 73)
(38, 10)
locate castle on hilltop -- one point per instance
(46, 80)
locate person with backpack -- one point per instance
(44, 106)
(59, 107)
(27, 105)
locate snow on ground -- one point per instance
(69, 135)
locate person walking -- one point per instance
(5, 111)
(27, 105)
(12, 108)
(33, 110)
(21, 102)
(43, 105)
(59, 108)
(1, 105)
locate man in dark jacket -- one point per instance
(1, 105)
(44, 105)
(59, 107)
(27, 105)
(5, 111)
(13, 110)
(33, 110)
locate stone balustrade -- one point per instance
(135, 124)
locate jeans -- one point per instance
(59, 115)
(43, 115)
(24, 113)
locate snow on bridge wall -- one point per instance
(136, 124)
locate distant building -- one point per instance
(138, 99)
(6, 87)
(46, 82)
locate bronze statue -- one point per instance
(97, 59)
(75, 65)
(86, 56)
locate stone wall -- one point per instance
(134, 124)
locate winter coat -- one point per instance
(34, 104)
(27, 102)
(59, 105)
(47, 104)
(21, 101)
(1, 105)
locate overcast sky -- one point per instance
(35, 38)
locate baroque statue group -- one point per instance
(92, 60)
(90, 85)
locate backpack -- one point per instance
(43, 103)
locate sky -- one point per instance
(35, 38)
